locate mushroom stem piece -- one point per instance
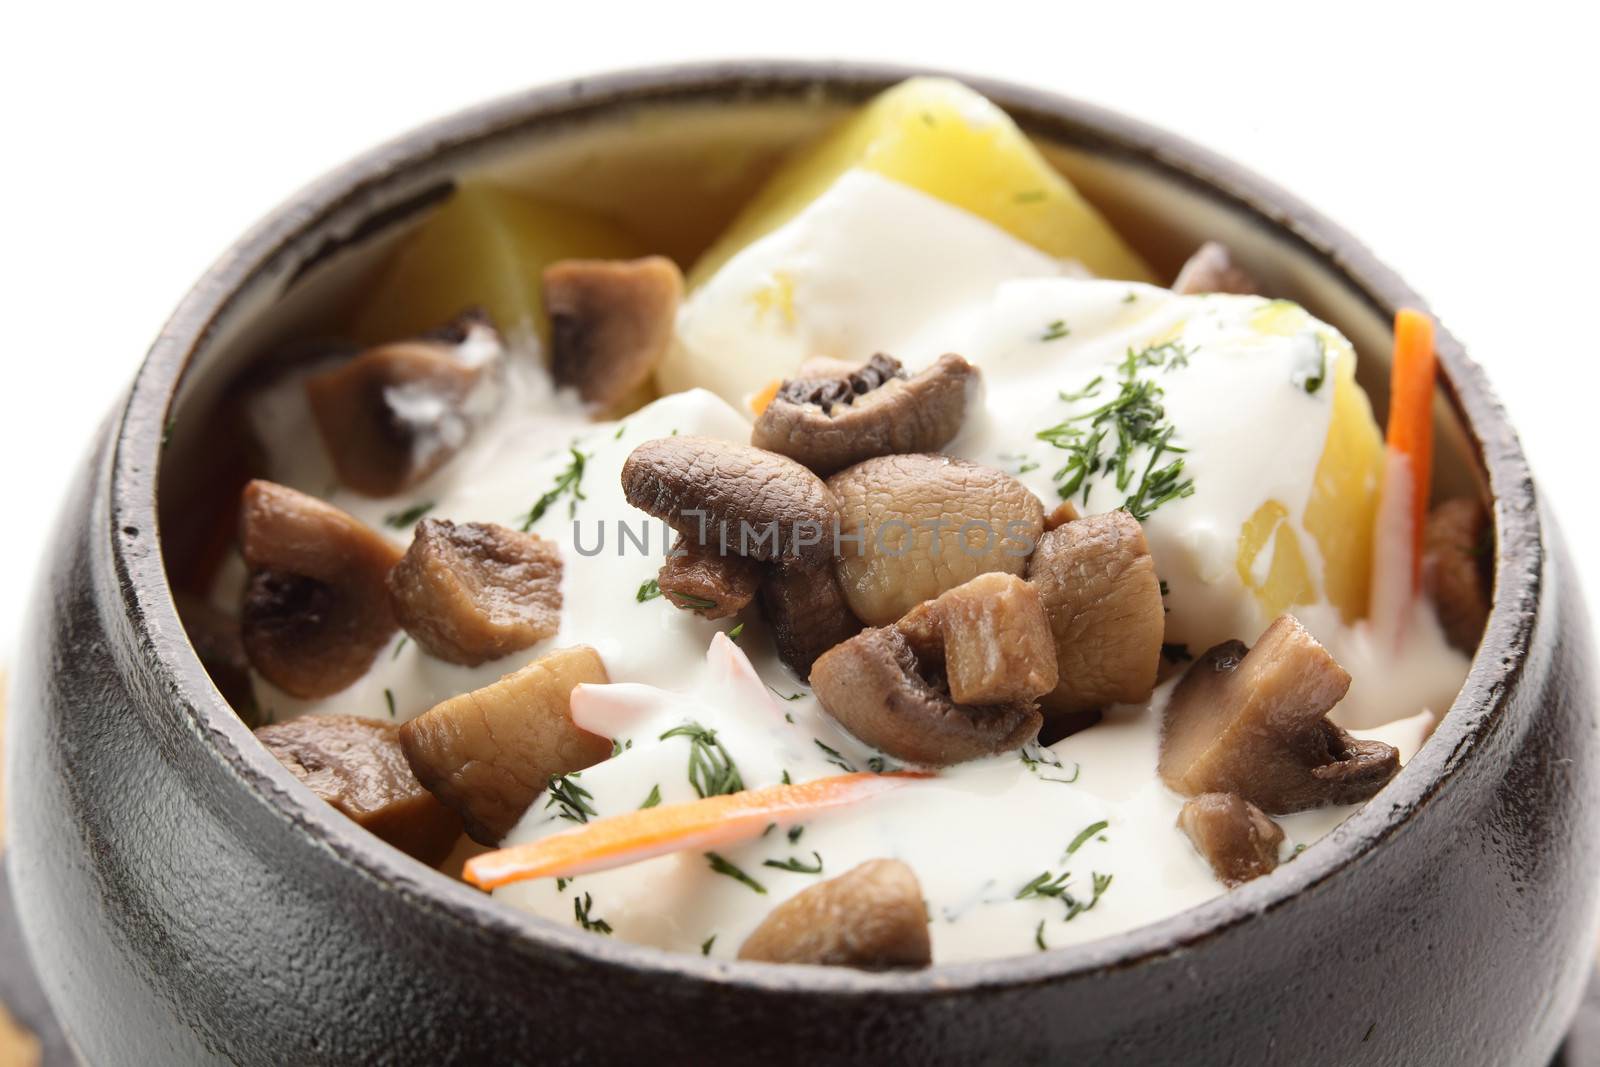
(1253, 722)
(1238, 839)
(708, 582)
(871, 917)
(315, 613)
(489, 753)
(807, 612)
(990, 636)
(610, 322)
(1458, 569)
(474, 592)
(1211, 270)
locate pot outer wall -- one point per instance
(183, 907)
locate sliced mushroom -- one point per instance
(991, 638)
(914, 526)
(872, 917)
(733, 497)
(807, 612)
(828, 423)
(396, 413)
(1100, 589)
(1458, 569)
(874, 685)
(610, 322)
(489, 753)
(356, 765)
(1238, 839)
(708, 582)
(474, 592)
(315, 611)
(1211, 270)
(1252, 721)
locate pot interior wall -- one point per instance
(673, 171)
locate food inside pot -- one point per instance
(913, 578)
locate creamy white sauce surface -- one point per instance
(874, 266)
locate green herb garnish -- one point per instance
(834, 757)
(648, 591)
(712, 771)
(572, 798)
(653, 799)
(1055, 331)
(733, 634)
(1044, 886)
(404, 520)
(580, 911)
(569, 481)
(1038, 937)
(388, 697)
(795, 832)
(705, 946)
(795, 865)
(1100, 883)
(722, 866)
(1084, 835)
(399, 645)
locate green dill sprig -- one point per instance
(580, 912)
(648, 591)
(1313, 372)
(798, 866)
(735, 633)
(1055, 331)
(834, 757)
(568, 482)
(1044, 886)
(572, 798)
(1084, 835)
(722, 866)
(1099, 883)
(712, 771)
(786, 696)
(1038, 936)
(388, 697)
(653, 799)
(795, 832)
(705, 946)
(1104, 440)
(404, 520)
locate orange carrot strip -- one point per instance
(1410, 432)
(641, 835)
(759, 402)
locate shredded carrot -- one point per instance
(641, 835)
(1410, 432)
(759, 402)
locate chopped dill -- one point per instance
(388, 697)
(618, 435)
(1134, 419)
(399, 645)
(712, 771)
(653, 799)
(1055, 331)
(722, 866)
(705, 946)
(1092, 389)
(733, 634)
(1033, 754)
(834, 757)
(618, 747)
(568, 482)
(1311, 376)
(1084, 835)
(1044, 886)
(1038, 937)
(572, 798)
(796, 865)
(404, 520)
(1077, 769)
(786, 780)
(786, 696)
(689, 600)
(1099, 883)
(648, 591)
(1131, 297)
(580, 911)
(562, 883)
(795, 832)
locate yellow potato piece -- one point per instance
(1340, 510)
(484, 247)
(938, 136)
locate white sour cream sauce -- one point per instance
(876, 266)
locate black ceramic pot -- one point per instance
(186, 900)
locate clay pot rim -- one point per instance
(207, 721)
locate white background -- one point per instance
(141, 139)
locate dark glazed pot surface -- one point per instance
(187, 901)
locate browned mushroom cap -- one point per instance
(991, 638)
(758, 504)
(398, 412)
(315, 612)
(871, 917)
(1252, 722)
(807, 612)
(489, 753)
(475, 592)
(829, 423)
(875, 687)
(1237, 838)
(1458, 569)
(708, 582)
(610, 322)
(1100, 589)
(356, 765)
(923, 524)
(1211, 270)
